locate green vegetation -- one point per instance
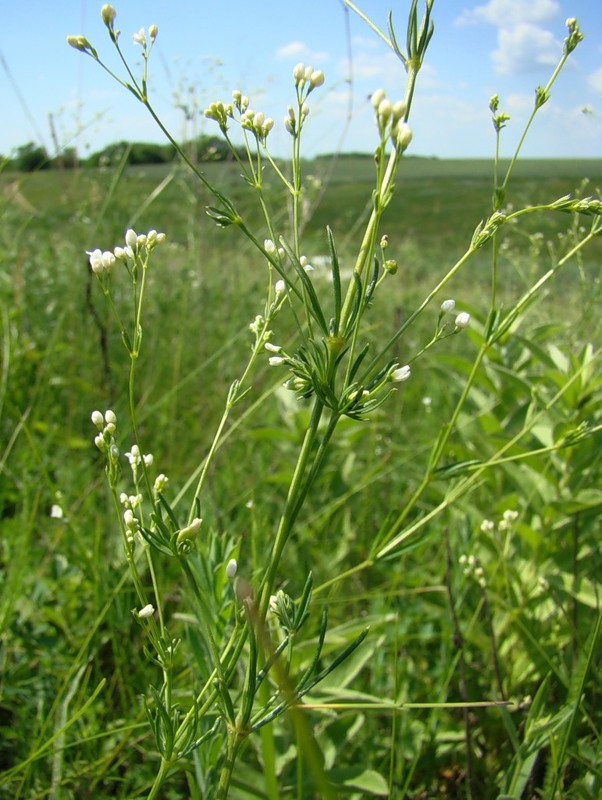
(435, 622)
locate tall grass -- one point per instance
(339, 589)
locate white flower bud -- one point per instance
(231, 568)
(152, 32)
(146, 612)
(299, 72)
(401, 374)
(447, 306)
(399, 109)
(131, 239)
(279, 287)
(317, 78)
(462, 320)
(96, 263)
(108, 260)
(108, 14)
(120, 254)
(402, 135)
(190, 531)
(269, 246)
(377, 97)
(275, 361)
(272, 348)
(97, 419)
(385, 110)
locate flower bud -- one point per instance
(108, 14)
(377, 97)
(131, 239)
(110, 417)
(401, 374)
(190, 531)
(152, 32)
(402, 136)
(97, 419)
(231, 568)
(399, 110)
(299, 73)
(462, 320)
(79, 42)
(146, 612)
(316, 79)
(384, 110)
(447, 306)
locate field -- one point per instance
(476, 574)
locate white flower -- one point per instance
(110, 417)
(275, 361)
(140, 38)
(133, 456)
(447, 306)
(97, 419)
(269, 247)
(56, 511)
(273, 348)
(148, 459)
(510, 515)
(96, 262)
(401, 374)
(462, 320)
(146, 612)
(231, 568)
(279, 287)
(152, 32)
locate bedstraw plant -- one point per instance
(246, 634)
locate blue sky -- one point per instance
(204, 50)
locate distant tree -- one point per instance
(30, 157)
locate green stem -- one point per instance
(158, 782)
(232, 746)
(291, 508)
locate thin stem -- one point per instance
(291, 508)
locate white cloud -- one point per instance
(300, 51)
(508, 13)
(525, 48)
(594, 80)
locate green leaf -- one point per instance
(356, 779)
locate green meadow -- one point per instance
(476, 577)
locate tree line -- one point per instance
(31, 157)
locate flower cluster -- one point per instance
(391, 120)
(473, 569)
(254, 121)
(102, 262)
(462, 319)
(509, 517)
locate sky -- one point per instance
(54, 95)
